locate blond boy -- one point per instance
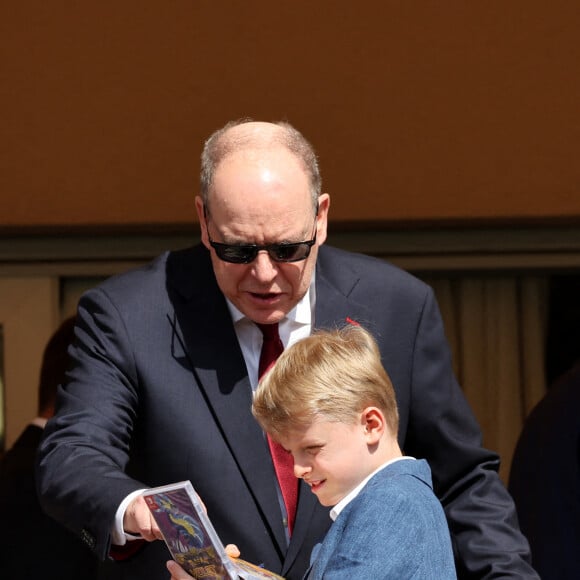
(329, 401)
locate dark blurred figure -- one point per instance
(545, 480)
(32, 545)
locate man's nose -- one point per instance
(263, 267)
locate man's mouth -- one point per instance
(264, 295)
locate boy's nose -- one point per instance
(300, 471)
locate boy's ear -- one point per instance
(374, 424)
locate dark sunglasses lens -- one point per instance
(246, 254)
(290, 252)
(235, 254)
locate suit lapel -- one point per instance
(204, 327)
(307, 503)
(334, 307)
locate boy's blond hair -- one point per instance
(332, 375)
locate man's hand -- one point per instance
(138, 520)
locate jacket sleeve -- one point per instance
(442, 429)
(85, 450)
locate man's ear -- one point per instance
(322, 218)
(202, 221)
(374, 424)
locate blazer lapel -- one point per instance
(204, 327)
(334, 307)
(306, 505)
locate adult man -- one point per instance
(166, 358)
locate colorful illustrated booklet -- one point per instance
(192, 539)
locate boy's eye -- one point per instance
(313, 450)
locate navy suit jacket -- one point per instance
(394, 529)
(159, 393)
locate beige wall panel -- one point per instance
(28, 316)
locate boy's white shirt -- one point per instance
(335, 511)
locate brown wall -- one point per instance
(419, 110)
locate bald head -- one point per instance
(247, 135)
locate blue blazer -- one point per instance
(394, 529)
(158, 393)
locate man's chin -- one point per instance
(263, 311)
(269, 317)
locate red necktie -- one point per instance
(272, 347)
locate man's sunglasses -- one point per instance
(246, 253)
